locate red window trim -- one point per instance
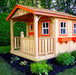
(30, 33)
(66, 29)
(73, 28)
(49, 28)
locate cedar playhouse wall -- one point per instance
(68, 46)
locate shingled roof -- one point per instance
(41, 11)
(47, 11)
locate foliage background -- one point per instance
(5, 29)
(18, 27)
(6, 6)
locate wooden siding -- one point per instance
(19, 12)
(70, 45)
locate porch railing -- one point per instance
(16, 42)
(46, 46)
(27, 45)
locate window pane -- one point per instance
(43, 25)
(74, 25)
(61, 31)
(61, 24)
(64, 31)
(74, 31)
(47, 25)
(31, 27)
(47, 31)
(44, 31)
(64, 24)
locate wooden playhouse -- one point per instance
(48, 33)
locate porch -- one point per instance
(32, 47)
(25, 47)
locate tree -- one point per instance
(48, 4)
(74, 6)
(43, 4)
(66, 6)
(2, 3)
(4, 30)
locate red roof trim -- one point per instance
(26, 9)
(54, 15)
(36, 12)
(21, 7)
(11, 13)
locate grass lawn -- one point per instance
(71, 71)
(5, 49)
(6, 69)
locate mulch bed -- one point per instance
(26, 69)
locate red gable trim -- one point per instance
(54, 15)
(16, 7)
(11, 13)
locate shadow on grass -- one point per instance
(7, 69)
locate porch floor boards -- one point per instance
(32, 57)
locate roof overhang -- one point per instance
(23, 18)
(37, 12)
(19, 7)
(54, 15)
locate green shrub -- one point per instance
(15, 58)
(5, 29)
(23, 63)
(40, 67)
(65, 59)
(73, 54)
(18, 27)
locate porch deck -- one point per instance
(25, 48)
(32, 57)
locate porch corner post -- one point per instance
(36, 35)
(27, 29)
(12, 35)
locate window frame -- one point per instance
(49, 32)
(63, 21)
(73, 28)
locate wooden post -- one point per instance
(22, 34)
(36, 34)
(22, 42)
(55, 36)
(12, 42)
(26, 28)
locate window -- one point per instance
(74, 28)
(45, 28)
(63, 28)
(31, 27)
